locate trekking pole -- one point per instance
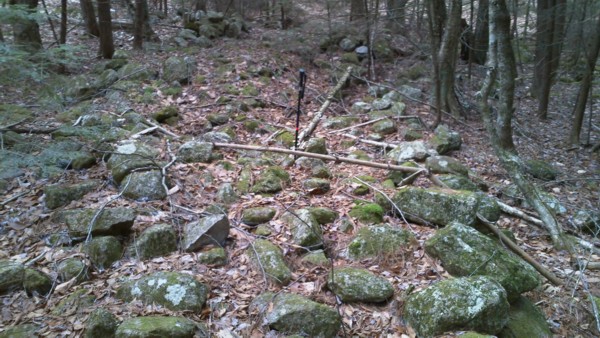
(301, 87)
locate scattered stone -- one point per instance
(216, 137)
(195, 151)
(161, 326)
(359, 285)
(103, 251)
(446, 165)
(540, 169)
(77, 302)
(306, 231)
(59, 195)
(36, 282)
(270, 261)
(525, 320)
(157, 240)
(316, 257)
(443, 207)
(294, 314)
(111, 221)
(412, 135)
(262, 230)
(340, 122)
(323, 215)
(174, 290)
(136, 72)
(415, 150)
(381, 104)
(464, 251)
(367, 213)
(217, 119)
(458, 182)
(400, 177)
(347, 44)
(360, 107)
(588, 221)
(316, 145)
(11, 276)
(20, 331)
(321, 171)
(73, 268)
(100, 324)
(215, 256)
(379, 240)
(410, 92)
(444, 140)
(208, 230)
(179, 69)
(345, 225)
(271, 180)
(130, 156)
(362, 52)
(144, 186)
(472, 303)
(316, 186)
(398, 108)
(226, 194)
(167, 114)
(259, 215)
(384, 127)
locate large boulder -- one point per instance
(195, 151)
(525, 320)
(161, 326)
(158, 240)
(294, 314)
(144, 186)
(472, 303)
(178, 69)
(271, 180)
(359, 285)
(306, 231)
(442, 206)
(210, 230)
(415, 150)
(466, 252)
(173, 290)
(269, 258)
(110, 221)
(379, 240)
(59, 195)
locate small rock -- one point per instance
(100, 324)
(367, 213)
(323, 215)
(111, 221)
(360, 107)
(75, 303)
(208, 230)
(226, 194)
(316, 145)
(195, 151)
(446, 165)
(540, 169)
(306, 231)
(381, 104)
(359, 285)
(384, 127)
(157, 240)
(36, 282)
(269, 259)
(11, 276)
(20, 331)
(316, 257)
(161, 326)
(104, 251)
(144, 186)
(444, 140)
(415, 150)
(259, 215)
(379, 240)
(59, 195)
(73, 268)
(316, 186)
(215, 256)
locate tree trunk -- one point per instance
(26, 32)
(584, 89)
(107, 47)
(501, 62)
(396, 13)
(138, 25)
(435, 36)
(89, 17)
(63, 22)
(1, 35)
(358, 10)
(481, 35)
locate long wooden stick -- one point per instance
(322, 157)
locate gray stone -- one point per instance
(104, 251)
(362, 51)
(587, 220)
(130, 156)
(316, 186)
(258, 215)
(215, 256)
(216, 137)
(306, 231)
(398, 108)
(316, 257)
(377, 91)
(294, 314)
(384, 127)
(444, 140)
(411, 92)
(525, 320)
(360, 107)
(381, 104)
(195, 151)
(464, 251)
(540, 169)
(446, 165)
(379, 240)
(472, 303)
(173, 290)
(36, 282)
(111, 221)
(72, 268)
(20, 331)
(144, 186)
(443, 207)
(210, 230)
(226, 194)
(415, 150)
(347, 44)
(323, 215)
(316, 145)
(157, 240)
(136, 72)
(339, 122)
(161, 326)
(271, 180)
(179, 69)
(269, 259)
(217, 119)
(100, 324)
(458, 182)
(11, 276)
(367, 213)
(359, 285)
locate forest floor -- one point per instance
(26, 221)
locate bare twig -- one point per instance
(356, 125)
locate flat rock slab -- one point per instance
(173, 290)
(359, 285)
(211, 230)
(110, 221)
(161, 326)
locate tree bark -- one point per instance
(89, 17)
(435, 37)
(107, 47)
(138, 25)
(395, 14)
(481, 35)
(26, 32)
(358, 10)
(584, 89)
(63, 22)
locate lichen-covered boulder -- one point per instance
(359, 285)
(306, 231)
(379, 240)
(178, 69)
(195, 151)
(525, 320)
(339, 122)
(226, 194)
(161, 326)
(294, 314)
(442, 206)
(360, 107)
(100, 324)
(367, 213)
(72, 268)
(471, 303)
(158, 240)
(144, 186)
(36, 282)
(271, 180)
(540, 169)
(446, 165)
(316, 257)
(173, 290)
(384, 127)
(128, 156)
(458, 182)
(210, 230)
(59, 195)
(444, 140)
(11, 276)
(103, 251)
(269, 258)
(316, 145)
(215, 256)
(258, 215)
(414, 150)
(466, 252)
(323, 215)
(111, 221)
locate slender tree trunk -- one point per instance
(396, 13)
(107, 47)
(63, 21)
(447, 57)
(1, 35)
(584, 89)
(480, 37)
(434, 35)
(89, 17)
(357, 10)
(138, 27)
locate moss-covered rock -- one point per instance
(244, 180)
(316, 186)
(72, 268)
(36, 282)
(209, 230)
(378, 240)
(59, 195)
(367, 213)
(111, 221)
(76, 302)
(158, 240)
(384, 127)
(130, 156)
(195, 151)
(316, 257)
(525, 320)
(339, 122)
(215, 256)
(466, 252)
(446, 165)
(258, 215)
(294, 314)
(11, 276)
(285, 138)
(226, 194)
(323, 215)
(103, 251)
(20, 331)
(173, 290)
(269, 258)
(588, 221)
(178, 69)
(100, 324)
(444, 140)
(540, 169)
(414, 150)
(161, 326)
(400, 177)
(458, 182)
(166, 113)
(359, 285)
(473, 303)
(144, 186)
(316, 145)
(306, 231)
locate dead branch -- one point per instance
(356, 125)
(516, 249)
(305, 134)
(322, 157)
(520, 214)
(161, 129)
(375, 143)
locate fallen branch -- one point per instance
(322, 157)
(516, 249)
(356, 125)
(161, 129)
(145, 131)
(374, 143)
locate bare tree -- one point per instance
(107, 47)
(63, 21)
